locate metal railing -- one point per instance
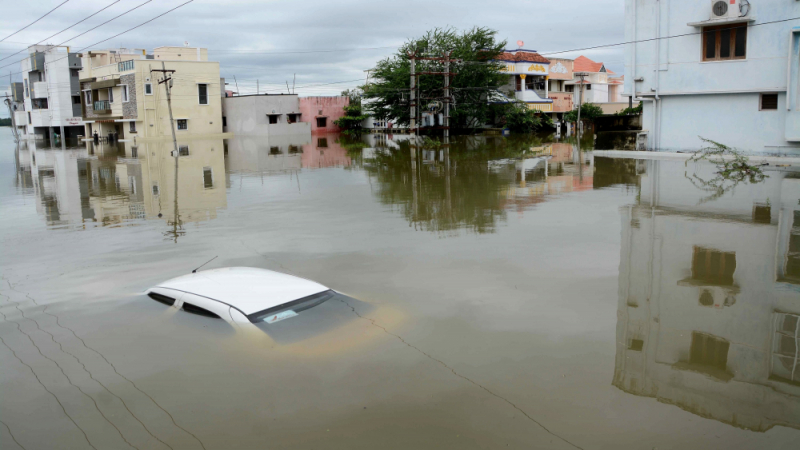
(125, 65)
(102, 105)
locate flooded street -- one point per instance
(509, 293)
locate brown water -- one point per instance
(511, 294)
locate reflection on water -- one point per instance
(708, 297)
(505, 321)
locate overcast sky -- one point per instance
(271, 40)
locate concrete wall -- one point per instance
(674, 67)
(249, 115)
(331, 108)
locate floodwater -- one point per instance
(508, 293)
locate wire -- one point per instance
(40, 18)
(126, 31)
(90, 29)
(65, 29)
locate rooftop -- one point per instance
(522, 55)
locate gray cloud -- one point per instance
(269, 40)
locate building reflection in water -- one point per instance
(709, 297)
(115, 184)
(474, 182)
(285, 153)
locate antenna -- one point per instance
(195, 270)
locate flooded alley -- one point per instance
(505, 293)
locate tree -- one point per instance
(477, 48)
(589, 111)
(354, 95)
(518, 118)
(353, 119)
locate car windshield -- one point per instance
(291, 309)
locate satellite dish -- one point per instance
(520, 44)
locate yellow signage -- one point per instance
(536, 68)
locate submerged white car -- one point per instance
(242, 295)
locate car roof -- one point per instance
(247, 289)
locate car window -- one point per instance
(291, 309)
(161, 298)
(194, 309)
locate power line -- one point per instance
(90, 29)
(126, 31)
(40, 18)
(65, 29)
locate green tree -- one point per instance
(353, 119)
(589, 111)
(477, 73)
(354, 95)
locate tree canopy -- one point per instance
(387, 94)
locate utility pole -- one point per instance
(413, 94)
(167, 81)
(237, 84)
(582, 76)
(447, 99)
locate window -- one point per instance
(273, 118)
(274, 150)
(709, 351)
(529, 83)
(148, 89)
(110, 95)
(292, 118)
(322, 142)
(519, 83)
(294, 149)
(155, 189)
(224, 121)
(194, 309)
(125, 66)
(785, 361)
(202, 93)
(29, 118)
(162, 298)
(183, 124)
(769, 102)
(322, 122)
(636, 345)
(725, 42)
(26, 87)
(762, 213)
(87, 95)
(183, 150)
(76, 99)
(124, 92)
(713, 267)
(132, 128)
(208, 178)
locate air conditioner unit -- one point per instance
(726, 9)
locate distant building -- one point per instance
(50, 93)
(121, 94)
(725, 77)
(264, 114)
(560, 72)
(528, 82)
(599, 86)
(322, 112)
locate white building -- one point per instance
(51, 91)
(709, 296)
(528, 81)
(731, 75)
(263, 115)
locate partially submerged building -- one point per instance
(121, 94)
(527, 83)
(264, 115)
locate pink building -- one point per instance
(321, 112)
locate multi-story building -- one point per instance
(50, 94)
(528, 81)
(121, 93)
(560, 72)
(709, 311)
(599, 86)
(727, 70)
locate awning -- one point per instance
(713, 22)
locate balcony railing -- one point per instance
(102, 106)
(125, 66)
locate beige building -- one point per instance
(120, 93)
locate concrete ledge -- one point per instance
(684, 156)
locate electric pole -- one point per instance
(413, 94)
(167, 81)
(581, 75)
(447, 99)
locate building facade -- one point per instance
(50, 103)
(264, 114)
(529, 73)
(121, 94)
(725, 77)
(322, 112)
(560, 73)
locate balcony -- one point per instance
(39, 89)
(102, 107)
